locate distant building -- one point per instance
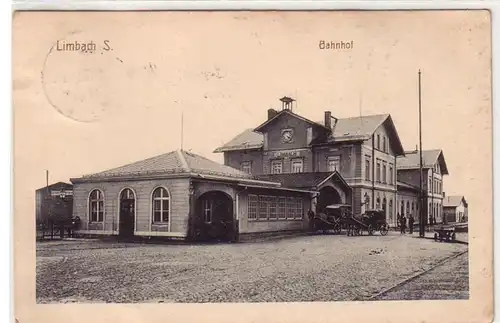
(455, 209)
(55, 200)
(434, 168)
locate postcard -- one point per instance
(253, 166)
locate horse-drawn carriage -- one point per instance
(339, 216)
(372, 220)
(330, 219)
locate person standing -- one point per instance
(411, 221)
(398, 221)
(310, 215)
(403, 224)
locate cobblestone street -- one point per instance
(306, 268)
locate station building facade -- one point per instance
(363, 150)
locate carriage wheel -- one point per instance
(370, 230)
(337, 229)
(359, 232)
(384, 229)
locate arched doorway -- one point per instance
(327, 196)
(127, 213)
(214, 217)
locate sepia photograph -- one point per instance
(321, 157)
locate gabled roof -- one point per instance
(310, 180)
(347, 129)
(289, 112)
(248, 139)
(174, 162)
(454, 201)
(411, 160)
(363, 127)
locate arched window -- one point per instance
(161, 205)
(127, 194)
(96, 206)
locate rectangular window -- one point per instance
(253, 204)
(299, 209)
(282, 208)
(391, 175)
(378, 172)
(263, 208)
(276, 167)
(333, 163)
(207, 211)
(246, 167)
(297, 165)
(367, 170)
(290, 208)
(384, 147)
(384, 174)
(273, 207)
(160, 210)
(378, 142)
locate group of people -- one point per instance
(402, 221)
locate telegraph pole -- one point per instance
(421, 225)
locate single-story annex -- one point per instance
(184, 195)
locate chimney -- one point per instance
(328, 119)
(271, 113)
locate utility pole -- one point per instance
(421, 225)
(182, 129)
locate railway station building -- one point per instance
(271, 177)
(362, 150)
(186, 196)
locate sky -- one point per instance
(78, 113)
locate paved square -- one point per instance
(307, 268)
